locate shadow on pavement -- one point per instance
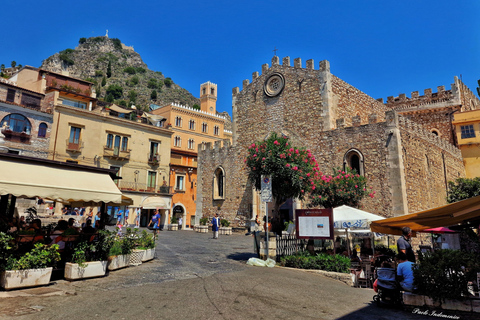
(242, 256)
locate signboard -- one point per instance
(266, 189)
(314, 223)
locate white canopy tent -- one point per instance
(351, 220)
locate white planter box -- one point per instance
(93, 269)
(148, 254)
(225, 230)
(12, 279)
(172, 227)
(202, 229)
(118, 262)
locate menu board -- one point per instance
(314, 223)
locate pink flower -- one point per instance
(286, 144)
(356, 186)
(256, 149)
(308, 174)
(245, 160)
(263, 158)
(289, 154)
(287, 165)
(313, 188)
(254, 155)
(308, 150)
(276, 142)
(295, 168)
(319, 197)
(302, 191)
(291, 149)
(296, 151)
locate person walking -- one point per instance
(215, 226)
(137, 217)
(155, 221)
(127, 213)
(180, 223)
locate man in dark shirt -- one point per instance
(403, 244)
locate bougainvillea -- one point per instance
(343, 187)
(295, 174)
(291, 169)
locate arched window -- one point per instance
(191, 125)
(110, 141)
(191, 144)
(124, 144)
(177, 142)
(17, 123)
(178, 121)
(219, 184)
(42, 130)
(216, 130)
(204, 127)
(354, 160)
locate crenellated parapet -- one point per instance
(420, 132)
(324, 66)
(429, 100)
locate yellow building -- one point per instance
(192, 128)
(135, 144)
(467, 125)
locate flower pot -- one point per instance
(93, 269)
(118, 262)
(148, 254)
(136, 257)
(172, 227)
(13, 279)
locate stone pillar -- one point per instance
(395, 166)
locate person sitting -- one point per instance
(71, 224)
(88, 227)
(405, 272)
(62, 225)
(355, 257)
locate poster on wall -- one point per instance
(314, 223)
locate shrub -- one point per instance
(224, 223)
(444, 274)
(196, 106)
(98, 73)
(168, 82)
(129, 70)
(152, 83)
(115, 90)
(153, 95)
(140, 70)
(322, 261)
(41, 256)
(65, 56)
(83, 253)
(204, 221)
(82, 40)
(117, 43)
(146, 241)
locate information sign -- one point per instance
(314, 223)
(266, 189)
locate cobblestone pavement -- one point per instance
(196, 277)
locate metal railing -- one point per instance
(143, 187)
(288, 245)
(74, 147)
(116, 152)
(153, 158)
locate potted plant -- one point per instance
(31, 269)
(173, 226)
(203, 228)
(147, 244)
(225, 227)
(119, 253)
(86, 263)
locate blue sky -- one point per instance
(383, 48)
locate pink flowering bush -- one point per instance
(291, 169)
(343, 187)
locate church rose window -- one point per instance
(274, 85)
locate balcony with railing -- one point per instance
(11, 135)
(143, 187)
(74, 147)
(153, 159)
(116, 153)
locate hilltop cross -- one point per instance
(275, 51)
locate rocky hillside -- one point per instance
(119, 74)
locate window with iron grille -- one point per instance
(468, 131)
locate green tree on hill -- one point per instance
(104, 81)
(153, 95)
(115, 90)
(109, 69)
(168, 82)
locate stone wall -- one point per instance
(469, 99)
(429, 163)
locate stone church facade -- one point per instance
(404, 147)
